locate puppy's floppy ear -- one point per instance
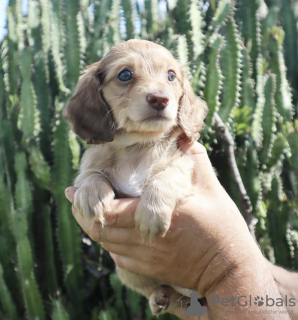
(192, 111)
(87, 111)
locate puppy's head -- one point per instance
(137, 87)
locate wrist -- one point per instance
(232, 293)
(235, 261)
(238, 276)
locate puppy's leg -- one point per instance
(162, 297)
(161, 195)
(93, 197)
(165, 299)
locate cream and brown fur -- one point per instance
(134, 149)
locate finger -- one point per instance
(129, 250)
(69, 193)
(132, 265)
(100, 233)
(126, 236)
(91, 227)
(191, 148)
(204, 174)
(122, 213)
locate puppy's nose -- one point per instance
(157, 101)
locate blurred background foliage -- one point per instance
(242, 59)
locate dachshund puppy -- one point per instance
(131, 107)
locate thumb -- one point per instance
(69, 193)
(204, 174)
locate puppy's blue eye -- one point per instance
(171, 75)
(125, 75)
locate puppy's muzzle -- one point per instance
(157, 101)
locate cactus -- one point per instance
(29, 115)
(230, 64)
(10, 311)
(45, 22)
(251, 176)
(112, 32)
(10, 49)
(40, 75)
(257, 130)
(213, 78)
(129, 14)
(48, 275)
(269, 118)
(283, 94)
(151, 16)
(70, 12)
(223, 10)
(249, 18)
(294, 169)
(277, 218)
(59, 312)
(67, 232)
(21, 219)
(279, 147)
(197, 24)
(247, 97)
(239, 55)
(182, 52)
(7, 246)
(57, 42)
(291, 43)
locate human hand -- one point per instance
(208, 238)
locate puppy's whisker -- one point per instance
(124, 109)
(110, 112)
(178, 122)
(142, 89)
(127, 99)
(110, 100)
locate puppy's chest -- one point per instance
(130, 177)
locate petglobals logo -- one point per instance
(259, 301)
(196, 309)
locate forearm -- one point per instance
(234, 295)
(287, 283)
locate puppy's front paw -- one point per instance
(153, 219)
(93, 202)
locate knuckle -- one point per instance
(111, 219)
(199, 148)
(95, 234)
(94, 237)
(106, 246)
(119, 261)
